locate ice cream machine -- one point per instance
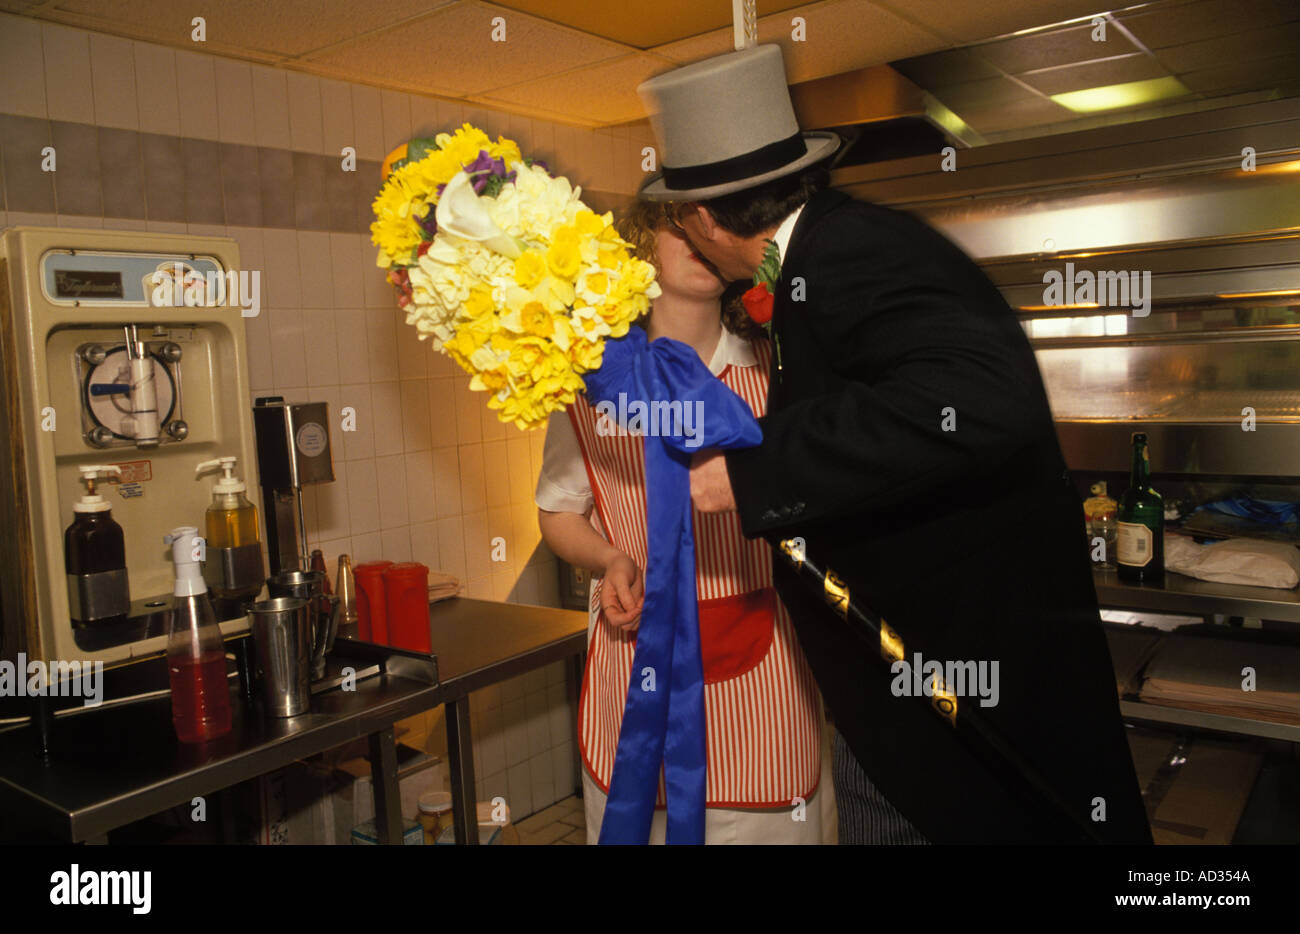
(124, 375)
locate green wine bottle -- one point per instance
(1141, 538)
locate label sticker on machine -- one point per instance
(134, 471)
(311, 439)
(130, 490)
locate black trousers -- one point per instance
(865, 817)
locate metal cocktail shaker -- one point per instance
(323, 611)
(282, 634)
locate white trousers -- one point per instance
(731, 825)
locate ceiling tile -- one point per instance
(643, 25)
(1030, 112)
(1138, 67)
(1170, 24)
(970, 20)
(1265, 42)
(1064, 46)
(949, 67)
(283, 28)
(452, 52)
(604, 93)
(979, 95)
(840, 35)
(1252, 74)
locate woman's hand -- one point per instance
(623, 593)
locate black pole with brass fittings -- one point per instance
(981, 737)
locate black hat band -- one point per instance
(746, 165)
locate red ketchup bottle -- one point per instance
(196, 654)
(372, 614)
(406, 593)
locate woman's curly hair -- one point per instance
(639, 224)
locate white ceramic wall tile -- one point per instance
(446, 482)
(514, 720)
(321, 336)
(491, 739)
(289, 362)
(79, 220)
(235, 120)
(520, 797)
(396, 108)
(112, 70)
(421, 491)
(67, 73)
(522, 482)
(559, 714)
(478, 549)
(363, 496)
(257, 338)
(493, 428)
(496, 473)
(424, 116)
(368, 122)
(332, 509)
(396, 544)
(381, 344)
(451, 114)
(282, 274)
(386, 413)
(390, 473)
(525, 589)
(469, 421)
(563, 766)
(367, 547)
(548, 583)
(442, 412)
(346, 259)
(542, 773)
(354, 355)
(424, 547)
(377, 292)
(305, 123)
(502, 583)
(314, 268)
(22, 67)
(271, 107)
(359, 442)
(157, 91)
(336, 117)
(473, 487)
(415, 415)
(451, 546)
(196, 86)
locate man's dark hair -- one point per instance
(753, 210)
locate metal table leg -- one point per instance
(575, 666)
(460, 756)
(383, 779)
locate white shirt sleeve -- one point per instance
(563, 485)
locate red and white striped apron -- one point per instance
(761, 703)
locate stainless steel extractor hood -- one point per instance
(880, 114)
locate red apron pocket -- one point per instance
(736, 633)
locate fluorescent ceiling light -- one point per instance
(1114, 96)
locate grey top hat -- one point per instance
(725, 124)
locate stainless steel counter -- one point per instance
(1179, 594)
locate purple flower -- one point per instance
(483, 167)
(428, 223)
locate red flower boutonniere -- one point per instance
(759, 299)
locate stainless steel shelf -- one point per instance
(1177, 716)
(1179, 594)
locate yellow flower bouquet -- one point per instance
(500, 264)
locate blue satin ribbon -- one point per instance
(663, 718)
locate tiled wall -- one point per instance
(151, 138)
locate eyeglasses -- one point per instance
(674, 210)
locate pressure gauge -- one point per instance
(106, 394)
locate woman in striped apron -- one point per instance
(763, 711)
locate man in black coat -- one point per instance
(909, 443)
